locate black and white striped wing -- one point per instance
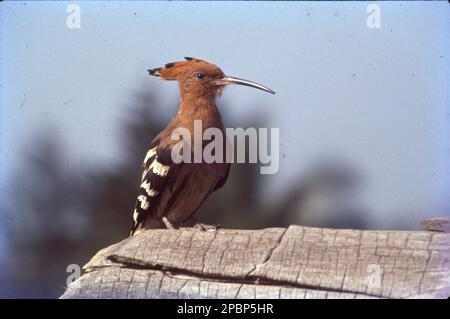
(159, 172)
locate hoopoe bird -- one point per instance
(170, 193)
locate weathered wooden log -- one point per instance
(293, 262)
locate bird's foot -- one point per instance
(194, 223)
(206, 227)
(168, 224)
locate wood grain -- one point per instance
(293, 262)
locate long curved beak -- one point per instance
(232, 80)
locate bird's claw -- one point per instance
(206, 227)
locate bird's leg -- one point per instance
(168, 224)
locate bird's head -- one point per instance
(200, 78)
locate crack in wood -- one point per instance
(269, 255)
(191, 276)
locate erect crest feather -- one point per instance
(180, 69)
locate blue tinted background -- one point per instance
(375, 99)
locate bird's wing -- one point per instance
(223, 179)
(159, 172)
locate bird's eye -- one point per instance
(199, 75)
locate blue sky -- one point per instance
(375, 98)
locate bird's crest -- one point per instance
(180, 69)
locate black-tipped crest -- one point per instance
(188, 58)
